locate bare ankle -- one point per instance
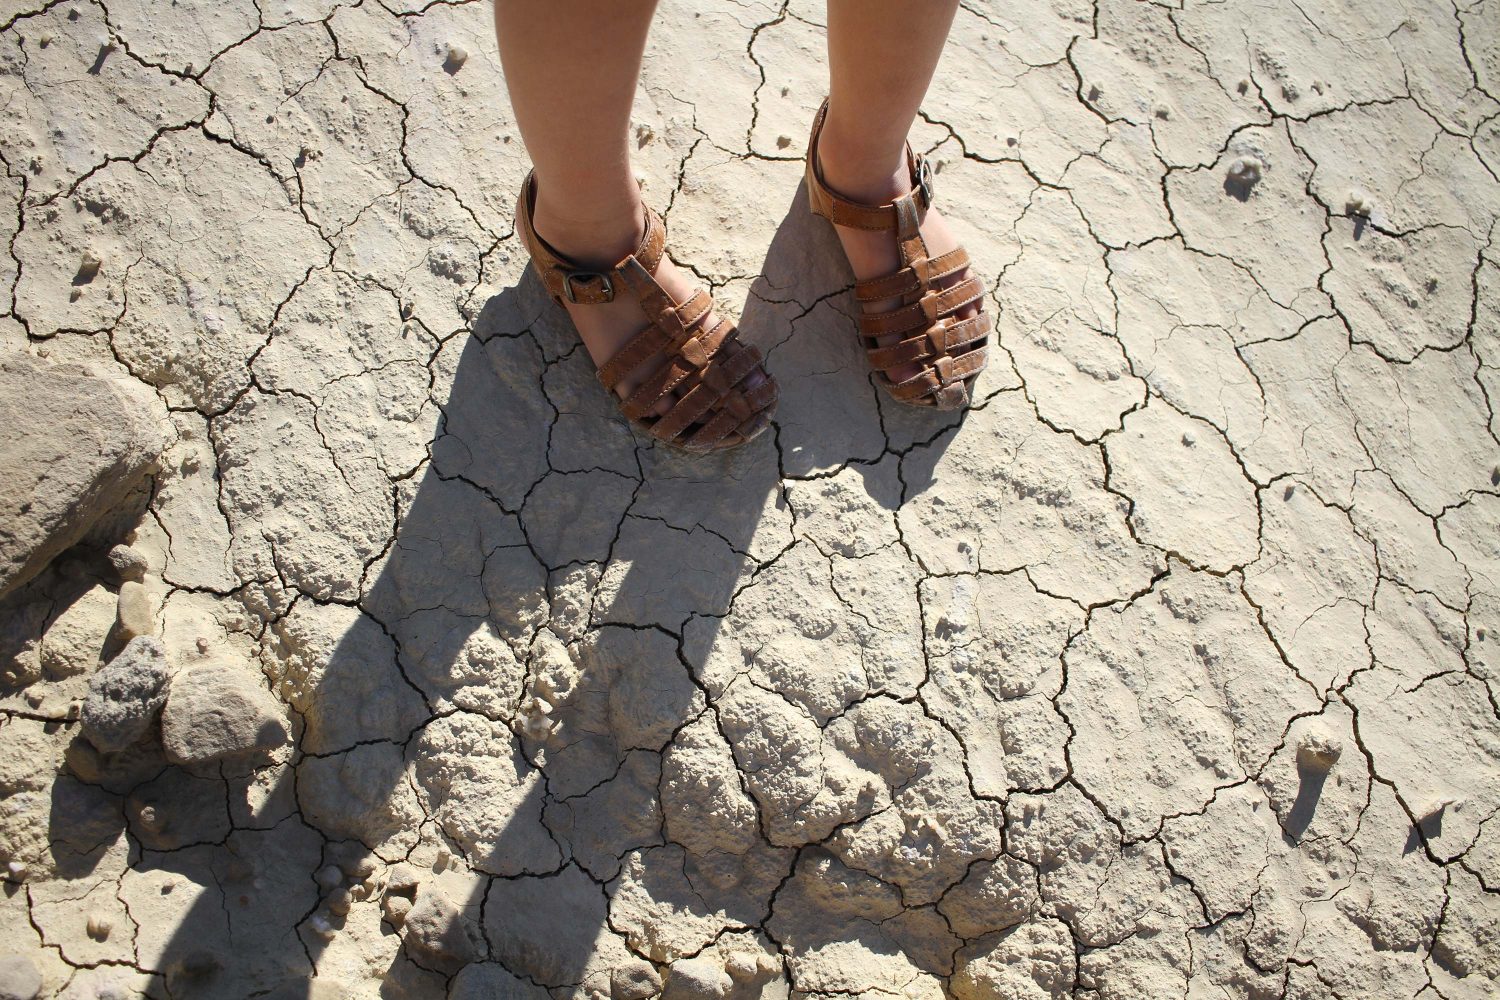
(859, 172)
(592, 240)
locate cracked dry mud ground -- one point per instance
(1169, 671)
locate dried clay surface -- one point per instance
(385, 661)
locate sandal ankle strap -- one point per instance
(843, 211)
(565, 278)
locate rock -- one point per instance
(19, 979)
(339, 901)
(137, 611)
(1359, 203)
(72, 445)
(396, 908)
(360, 869)
(1430, 809)
(1318, 750)
(1246, 169)
(218, 711)
(402, 880)
(125, 697)
(436, 934)
(698, 979)
(129, 563)
(635, 980)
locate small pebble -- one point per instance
(16, 869)
(402, 880)
(99, 926)
(1359, 203)
(151, 819)
(330, 876)
(396, 908)
(1433, 808)
(1246, 168)
(135, 610)
(457, 56)
(339, 901)
(128, 563)
(1318, 750)
(361, 870)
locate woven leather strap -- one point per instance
(950, 352)
(705, 370)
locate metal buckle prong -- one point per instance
(568, 276)
(924, 177)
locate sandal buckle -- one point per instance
(568, 276)
(924, 178)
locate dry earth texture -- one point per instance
(1168, 671)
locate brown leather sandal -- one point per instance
(951, 352)
(705, 369)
